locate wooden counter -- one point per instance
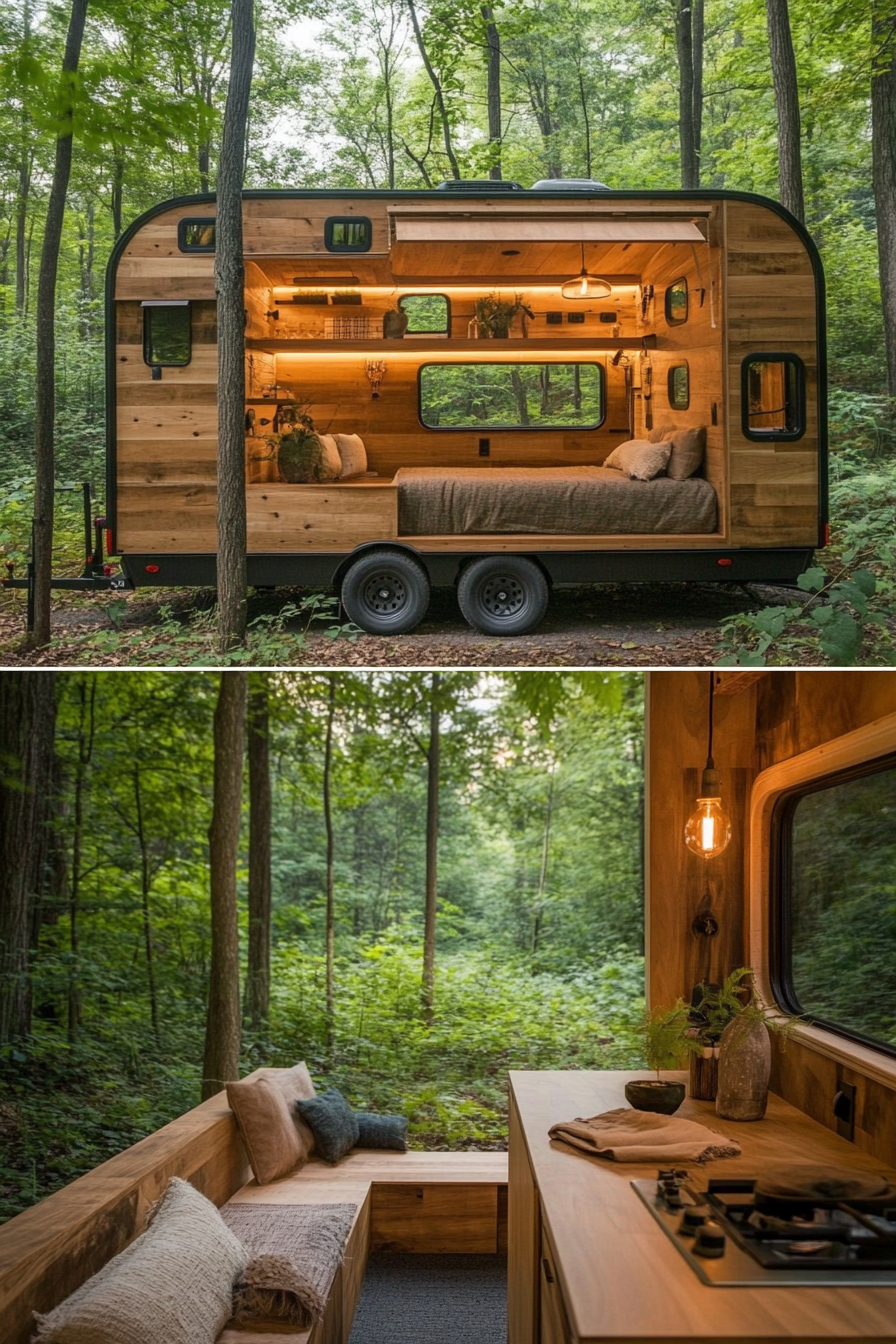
(588, 1262)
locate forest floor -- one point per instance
(612, 625)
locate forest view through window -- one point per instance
(840, 904)
(511, 396)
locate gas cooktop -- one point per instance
(807, 1226)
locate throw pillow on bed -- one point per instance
(352, 453)
(332, 462)
(640, 460)
(382, 1131)
(272, 1141)
(332, 1122)
(172, 1285)
(688, 448)
(296, 1085)
(660, 434)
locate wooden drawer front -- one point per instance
(319, 517)
(554, 1325)
(439, 1219)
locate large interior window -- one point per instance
(166, 333)
(511, 396)
(773, 397)
(835, 960)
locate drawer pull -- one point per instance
(547, 1270)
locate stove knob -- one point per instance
(691, 1221)
(672, 1195)
(710, 1241)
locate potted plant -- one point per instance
(667, 1042)
(495, 316)
(395, 324)
(735, 1025)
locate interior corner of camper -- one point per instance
(505, 1007)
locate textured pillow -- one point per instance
(272, 1140)
(642, 461)
(661, 434)
(332, 462)
(173, 1285)
(353, 454)
(333, 1123)
(382, 1131)
(295, 1084)
(688, 448)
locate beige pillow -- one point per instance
(173, 1285)
(661, 434)
(272, 1140)
(640, 460)
(353, 454)
(688, 449)
(332, 462)
(296, 1085)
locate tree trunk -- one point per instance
(258, 972)
(698, 28)
(229, 282)
(543, 869)
(432, 851)
(587, 121)
(22, 192)
(684, 41)
(86, 730)
(437, 89)
(117, 192)
(493, 92)
(331, 905)
(27, 726)
(145, 885)
(222, 1027)
(45, 382)
(787, 100)
(883, 158)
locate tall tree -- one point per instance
(331, 900)
(883, 154)
(787, 101)
(222, 1028)
(85, 739)
(229, 285)
(438, 89)
(433, 753)
(493, 91)
(258, 969)
(45, 383)
(27, 722)
(689, 47)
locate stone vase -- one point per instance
(745, 1060)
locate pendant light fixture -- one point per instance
(708, 828)
(585, 285)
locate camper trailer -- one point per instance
(437, 384)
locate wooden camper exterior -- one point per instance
(755, 284)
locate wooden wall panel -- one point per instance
(319, 517)
(434, 1219)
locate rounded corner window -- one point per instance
(511, 396)
(167, 333)
(196, 235)
(348, 233)
(676, 303)
(773, 397)
(427, 314)
(679, 387)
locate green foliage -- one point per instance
(300, 455)
(667, 1039)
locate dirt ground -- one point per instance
(635, 625)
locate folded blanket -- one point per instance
(641, 1136)
(294, 1252)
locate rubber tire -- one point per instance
(375, 613)
(479, 588)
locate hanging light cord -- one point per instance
(710, 763)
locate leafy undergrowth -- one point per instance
(68, 1107)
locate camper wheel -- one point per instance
(503, 594)
(386, 592)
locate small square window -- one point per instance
(167, 335)
(428, 314)
(196, 235)
(349, 233)
(679, 387)
(677, 302)
(773, 397)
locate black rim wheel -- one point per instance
(385, 593)
(502, 595)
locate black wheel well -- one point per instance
(369, 546)
(502, 555)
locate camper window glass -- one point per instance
(428, 314)
(679, 387)
(511, 396)
(350, 234)
(836, 916)
(677, 302)
(196, 235)
(773, 397)
(166, 334)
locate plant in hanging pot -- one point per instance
(667, 1042)
(737, 1017)
(495, 316)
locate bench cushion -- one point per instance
(333, 1122)
(272, 1141)
(382, 1131)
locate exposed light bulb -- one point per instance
(708, 828)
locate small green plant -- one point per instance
(495, 316)
(735, 997)
(667, 1039)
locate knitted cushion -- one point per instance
(333, 1122)
(294, 1083)
(332, 462)
(173, 1285)
(661, 433)
(382, 1131)
(640, 460)
(688, 448)
(353, 454)
(272, 1140)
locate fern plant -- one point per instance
(668, 1038)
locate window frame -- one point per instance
(772, 436)
(511, 429)
(182, 225)
(412, 294)
(333, 220)
(150, 305)
(667, 305)
(780, 946)
(673, 405)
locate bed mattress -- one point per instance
(440, 501)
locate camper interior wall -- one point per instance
(761, 719)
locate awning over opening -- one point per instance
(522, 229)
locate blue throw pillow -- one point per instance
(332, 1122)
(382, 1131)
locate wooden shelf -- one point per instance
(438, 345)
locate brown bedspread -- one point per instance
(439, 501)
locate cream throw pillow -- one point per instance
(640, 460)
(688, 450)
(296, 1085)
(173, 1285)
(353, 454)
(332, 462)
(272, 1141)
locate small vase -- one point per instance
(395, 324)
(744, 1069)
(704, 1082)
(654, 1094)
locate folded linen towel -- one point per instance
(294, 1251)
(641, 1136)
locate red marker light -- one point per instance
(109, 550)
(152, 569)
(827, 534)
(724, 562)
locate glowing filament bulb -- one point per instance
(708, 828)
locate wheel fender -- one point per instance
(536, 560)
(367, 546)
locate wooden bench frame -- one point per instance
(423, 1202)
